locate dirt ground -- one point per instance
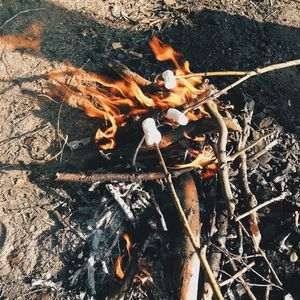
(213, 35)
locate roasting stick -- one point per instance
(246, 76)
(184, 221)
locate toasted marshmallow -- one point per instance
(169, 78)
(177, 116)
(152, 135)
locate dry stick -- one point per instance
(263, 254)
(237, 275)
(184, 221)
(217, 73)
(256, 208)
(241, 151)
(222, 156)
(216, 256)
(247, 194)
(249, 74)
(103, 177)
(242, 280)
(263, 151)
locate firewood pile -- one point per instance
(177, 218)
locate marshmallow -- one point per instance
(177, 116)
(152, 135)
(169, 78)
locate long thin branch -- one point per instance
(238, 274)
(248, 75)
(216, 73)
(263, 254)
(103, 177)
(243, 149)
(222, 156)
(185, 223)
(256, 208)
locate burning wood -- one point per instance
(178, 116)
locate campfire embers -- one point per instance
(177, 116)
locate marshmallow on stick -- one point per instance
(169, 78)
(177, 116)
(152, 135)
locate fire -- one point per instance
(30, 39)
(198, 139)
(203, 158)
(128, 242)
(211, 171)
(117, 101)
(118, 265)
(119, 272)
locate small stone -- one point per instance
(293, 257)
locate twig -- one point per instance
(256, 208)
(233, 156)
(248, 196)
(222, 156)
(263, 151)
(137, 151)
(184, 221)
(242, 280)
(248, 75)
(216, 256)
(20, 13)
(263, 254)
(237, 275)
(103, 177)
(216, 73)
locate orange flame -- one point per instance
(117, 101)
(212, 171)
(30, 39)
(198, 139)
(203, 158)
(118, 265)
(128, 242)
(165, 52)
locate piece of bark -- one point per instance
(186, 270)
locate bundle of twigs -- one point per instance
(213, 244)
